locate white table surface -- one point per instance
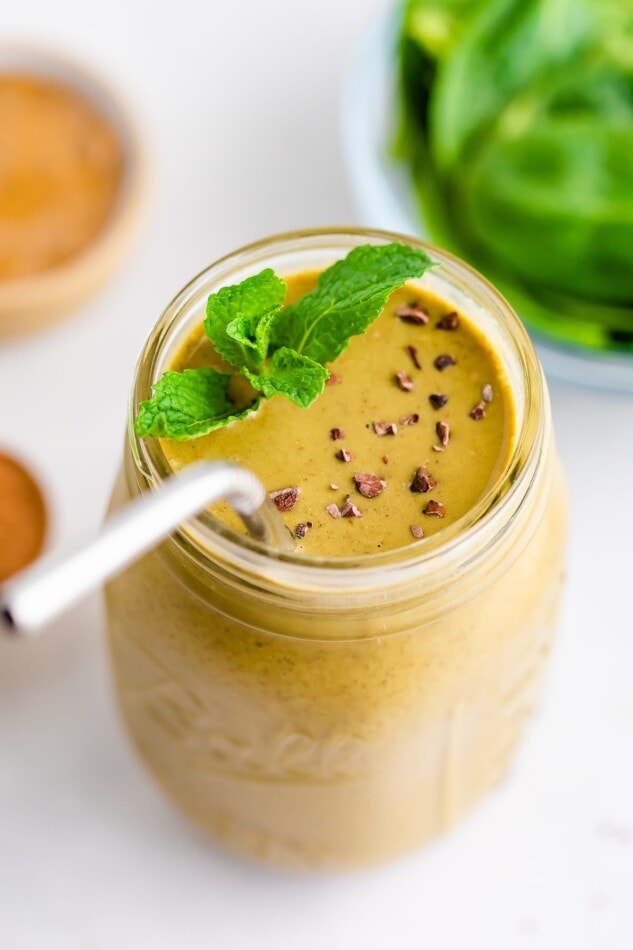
(240, 107)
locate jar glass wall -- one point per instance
(328, 713)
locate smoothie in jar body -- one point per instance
(342, 703)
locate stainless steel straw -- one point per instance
(52, 584)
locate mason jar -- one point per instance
(326, 713)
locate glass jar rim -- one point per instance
(206, 538)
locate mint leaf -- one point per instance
(239, 319)
(252, 335)
(187, 405)
(292, 375)
(349, 296)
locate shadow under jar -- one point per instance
(321, 713)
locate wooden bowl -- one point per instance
(41, 298)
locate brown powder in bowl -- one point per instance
(61, 168)
(22, 517)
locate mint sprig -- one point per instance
(280, 350)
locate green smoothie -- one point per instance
(334, 714)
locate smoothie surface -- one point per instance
(373, 469)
